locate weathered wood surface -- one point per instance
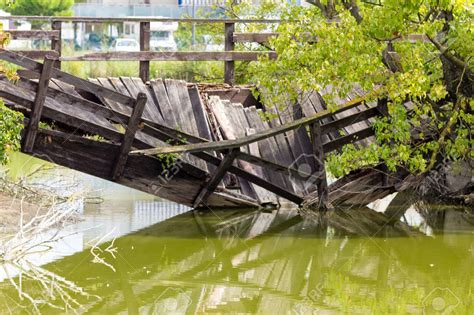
(132, 127)
(142, 173)
(40, 97)
(272, 158)
(135, 19)
(229, 144)
(36, 34)
(228, 56)
(79, 83)
(253, 37)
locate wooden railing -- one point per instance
(144, 56)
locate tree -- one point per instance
(38, 7)
(372, 44)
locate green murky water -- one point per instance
(172, 261)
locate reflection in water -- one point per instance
(274, 262)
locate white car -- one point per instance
(125, 44)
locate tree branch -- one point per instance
(352, 7)
(444, 51)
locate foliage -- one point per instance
(11, 122)
(367, 44)
(38, 7)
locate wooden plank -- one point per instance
(276, 189)
(268, 147)
(38, 104)
(253, 37)
(339, 142)
(336, 125)
(57, 42)
(161, 96)
(200, 116)
(66, 88)
(36, 54)
(216, 177)
(322, 183)
(175, 56)
(179, 99)
(78, 83)
(227, 144)
(129, 136)
(74, 117)
(229, 46)
(33, 34)
(144, 67)
(151, 108)
(117, 106)
(264, 197)
(93, 157)
(135, 19)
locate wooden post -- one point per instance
(145, 46)
(129, 136)
(216, 177)
(36, 110)
(322, 183)
(229, 68)
(56, 41)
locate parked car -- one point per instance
(125, 44)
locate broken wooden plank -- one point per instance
(228, 144)
(38, 104)
(129, 135)
(216, 177)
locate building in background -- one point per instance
(124, 8)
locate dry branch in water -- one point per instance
(17, 251)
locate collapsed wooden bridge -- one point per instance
(191, 144)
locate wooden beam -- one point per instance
(36, 54)
(129, 135)
(57, 42)
(339, 142)
(40, 97)
(34, 34)
(134, 19)
(336, 125)
(322, 182)
(229, 68)
(216, 177)
(229, 144)
(145, 46)
(163, 136)
(253, 37)
(175, 56)
(79, 83)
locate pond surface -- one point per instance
(170, 260)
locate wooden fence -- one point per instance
(144, 56)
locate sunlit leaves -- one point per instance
(344, 53)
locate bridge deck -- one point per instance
(231, 155)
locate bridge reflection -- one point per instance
(269, 262)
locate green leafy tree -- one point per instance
(38, 7)
(371, 44)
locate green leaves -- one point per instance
(345, 54)
(11, 124)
